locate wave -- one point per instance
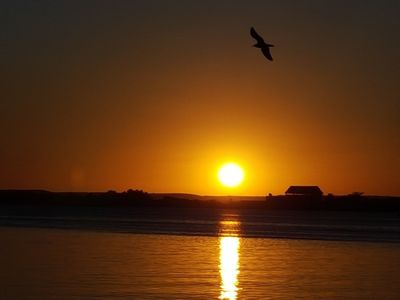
(287, 225)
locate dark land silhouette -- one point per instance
(351, 217)
(138, 198)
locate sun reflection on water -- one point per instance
(229, 244)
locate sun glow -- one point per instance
(231, 175)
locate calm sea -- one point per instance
(190, 255)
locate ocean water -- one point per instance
(203, 221)
(222, 256)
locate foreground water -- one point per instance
(205, 221)
(84, 264)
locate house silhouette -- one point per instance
(302, 190)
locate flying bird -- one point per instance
(261, 44)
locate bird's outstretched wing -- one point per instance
(267, 53)
(255, 35)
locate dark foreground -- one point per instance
(145, 215)
(102, 246)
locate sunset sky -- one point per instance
(157, 95)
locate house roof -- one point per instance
(304, 190)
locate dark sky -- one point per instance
(156, 95)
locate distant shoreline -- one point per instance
(139, 198)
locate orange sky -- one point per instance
(156, 95)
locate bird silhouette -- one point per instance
(261, 44)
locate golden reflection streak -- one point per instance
(229, 263)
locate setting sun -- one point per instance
(231, 175)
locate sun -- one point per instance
(231, 175)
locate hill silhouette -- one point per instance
(140, 198)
